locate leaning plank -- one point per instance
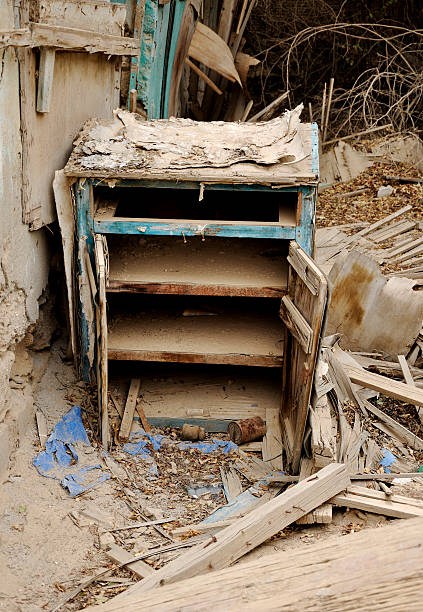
(387, 386)
(377, 506)
(120, 555)
(409, 380)
(272, 441)
(376, 569)
(296, 323)
(42, 427)
(250, 531)
(45, 79)
(59, 37)
(128, 415)
(377, 224)
(145, 424)
(231, 483)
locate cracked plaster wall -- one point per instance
(24, 257)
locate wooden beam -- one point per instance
(387, 386)
(120, 555)
(73, 39)
(374, 226)
(375, 569)
(250, 531)
(296, 323)
(128, 415)
(358, 498)
(45, 79)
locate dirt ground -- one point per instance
(45, 551)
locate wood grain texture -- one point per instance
(296, 324)
(376, 569)
(387, 386)
(128, 415)
(60, 37)
(120, 555)
(248, 532)
(299, 366)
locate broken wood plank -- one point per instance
(231, 483)
(136, 525)
(323, 443)
(42, 427)
(360, 500)
(60, 37)
(203, 76)
(272, 441)
(120, 555)
(375, 569)
(208, 48)
(384, 221)
(321, 515)
(270, 107)
(408, 256)
(389, 387)
(141, 414)
(404, 248)
(393, 230)
(372, 494)
(296, 323)
(385, 476)
(250, 531)
(404, 179)
(128, 415)
(45, 79)
(409, 380)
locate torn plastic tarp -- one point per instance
(139, 441)
(60, 455)
(388, 460)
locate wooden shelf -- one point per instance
(174, 394)
(246, 338)
(216, 266)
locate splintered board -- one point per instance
(174, 394)
(232, 333)
(215, 266)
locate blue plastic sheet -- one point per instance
(388, 460)
(60, 455)
(222, 446)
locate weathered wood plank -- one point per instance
(45, 79)
(248, 532)
(59, 37)
(376, 569)
(296, 323)
(389, 387)
(128, 415)
(120, 555)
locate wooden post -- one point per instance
(45, 79)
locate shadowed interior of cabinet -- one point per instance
(216, 205)
(212, 396)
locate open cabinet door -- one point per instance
(303, 310)
(101, 337)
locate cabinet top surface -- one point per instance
(282, 151)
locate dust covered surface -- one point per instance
(332, 209)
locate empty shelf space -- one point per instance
(215, 266)
(212, 396)
(189, 332)
(273, 207)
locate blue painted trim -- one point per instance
(176, 26)
(193, 228)
(305, 230)
(85, 240)
(315, 148)
(161, 184)
(211, 425)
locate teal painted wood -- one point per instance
(195, 185)
(152, 56)
(179, 7)
(304, 233)
(85, 241)
(212, 425)
(194, 228)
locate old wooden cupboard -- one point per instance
(200, 252)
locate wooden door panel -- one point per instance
(303, 311)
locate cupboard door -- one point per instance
(303, 310)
